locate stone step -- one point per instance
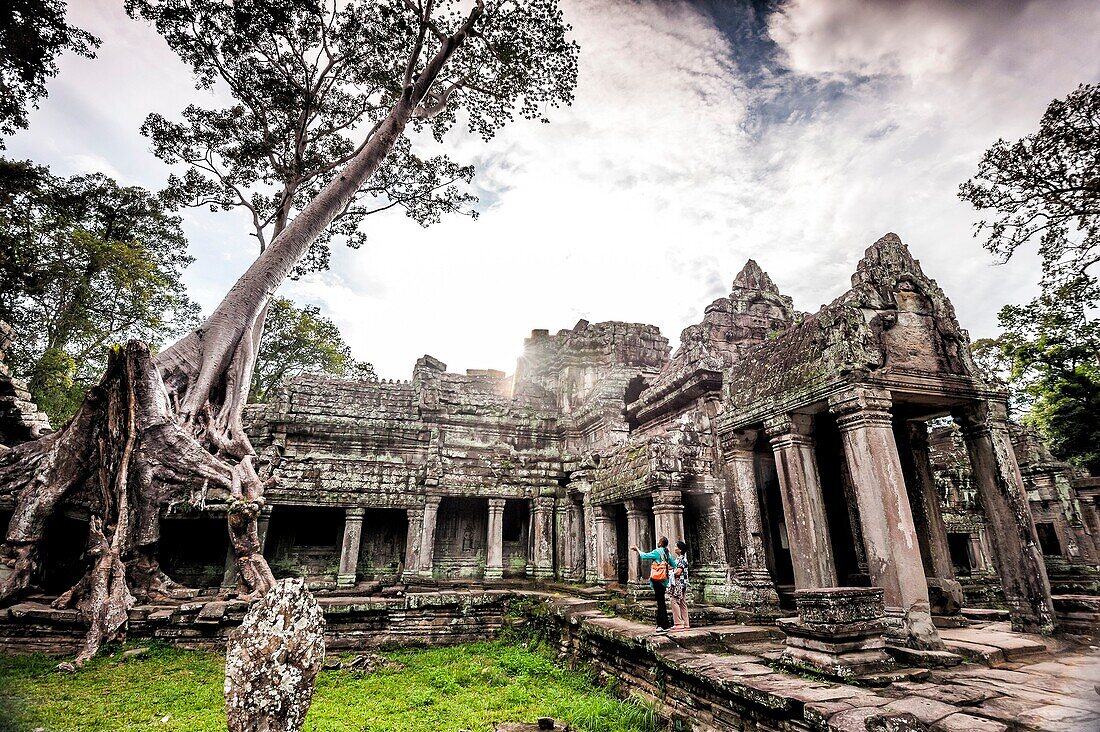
(924, 659)
(733, 636)
(983, 614)
(993, 647)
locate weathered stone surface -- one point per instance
(838, 632)
(272, 661)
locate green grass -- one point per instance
(470, 687)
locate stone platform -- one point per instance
(715, 678)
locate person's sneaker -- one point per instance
(657, 629)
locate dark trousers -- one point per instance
(659, 590)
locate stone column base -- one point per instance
(494, 573)
(838, 632)
(345, 580)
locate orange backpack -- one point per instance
(658, 571)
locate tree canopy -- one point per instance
(305, 82)
(1045, 187)
(33, 33)
(299, 341)
(84, 264)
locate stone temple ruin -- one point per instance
(799, 455)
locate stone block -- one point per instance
(945, 596)
(839, 632)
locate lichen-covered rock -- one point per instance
(272, 661)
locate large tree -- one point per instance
(300, 341)
(84, 263)
(304, 88)
(1045, 187)
(33, 33)
(167, 429)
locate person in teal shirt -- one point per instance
(660, 584)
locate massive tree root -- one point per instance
(157, 432)
(124, 457)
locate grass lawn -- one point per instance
(469, 687)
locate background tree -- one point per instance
(1050, 349)
(163, 430)
(301, 341)
(1045, 187)
(84, 264)
(33, 33)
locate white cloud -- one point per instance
(642, 200)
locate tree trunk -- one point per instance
(168, 430)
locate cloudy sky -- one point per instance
(703, 133)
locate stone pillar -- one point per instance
(668, 516)
(605, 553)
(231, 576)
(889, 536)
(494, 554)
(1000, 486)
(579, 537)
(349, 548)
(748, 582)
(427, 535)
(542, 528)
(924, 502)
(637, 534)
(415, 517)
(803, 504)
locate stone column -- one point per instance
(637, 534)
(1000, 486)
(748, 581)
(563, 547)
(803, 504)
(349, 548)
(415, 517)
(427, 535)
(494, 555)
(924, 502)
(668, 516)
(889, 536)
(542, 528)
(578, 540)
(231, 576)
(605, 553)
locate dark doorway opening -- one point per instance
(1048, 539)
(622, 548)
(305, 541)
(515, 526)
(193, 551)
(959, 547)
(382, 545)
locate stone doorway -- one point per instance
(622, 546)
(461, 538)
(305, 542)
(383, 543)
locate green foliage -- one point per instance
(1050, 352)
(84, 264)
(299, 341)
(33, 33)
(471, 687)
(1046, 186)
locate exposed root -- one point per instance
(125, 457)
